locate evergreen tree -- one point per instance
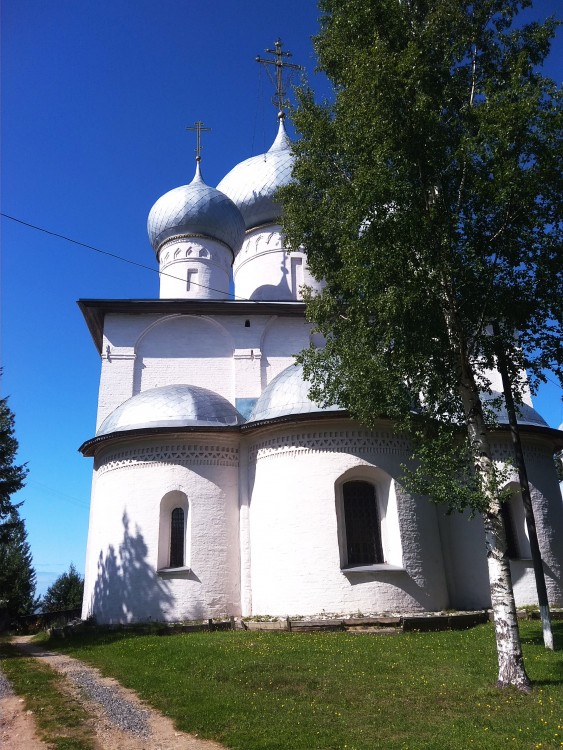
(428, 196)
(12, 476)
(65, 593)
(17, 576)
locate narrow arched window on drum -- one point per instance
(177, 538)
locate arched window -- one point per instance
(509, 530)
(177, 538)
(514, 520)
(361, 520)
(174, 531)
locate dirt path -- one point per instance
(120, 720)
(17, 727)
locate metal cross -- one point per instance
(278, 100)
(198, 127)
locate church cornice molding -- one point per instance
(173, 454)
(147, 435)
(356, 442)
(191, 236)
(95, 310)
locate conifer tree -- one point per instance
(12, 476)
(65, 593)
(428, 196)
(17, 576)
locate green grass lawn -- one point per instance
(321, 691)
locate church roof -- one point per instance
(195, 210)
(287, 395)
(171, 406)
(525, 415)
(251, 185)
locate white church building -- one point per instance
(221, 489)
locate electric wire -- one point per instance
(112, 255)
(141, 265)
(73, 500)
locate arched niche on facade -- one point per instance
(514, 519)
(367, 518)
(174, 547)
(282, 340)
(189, 349)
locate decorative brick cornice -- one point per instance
(356, 442)
(182, 454)
(505, 452)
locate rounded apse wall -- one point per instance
(137, 485)
(295, 525)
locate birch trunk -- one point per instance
(511, 669)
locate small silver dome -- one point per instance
(252, 183)
(197, 210)
(172, 406)
(287, 394)
(525, 415)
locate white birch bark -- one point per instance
(511, 669)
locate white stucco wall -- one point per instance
(195, 268)
(295, 559)
(218, 352)
(121, 582)
(189, 349)
(282, 340)
(464, 540)
(463, 543)
(548, 514)
(264, 270)
(264, 535)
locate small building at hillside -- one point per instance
(220, 488)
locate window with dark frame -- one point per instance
(177, 538)
(513, 548)
(363, 538)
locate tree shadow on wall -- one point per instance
(127, 588)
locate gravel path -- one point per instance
(120, 720)
(117, 709)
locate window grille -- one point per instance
(177, 538)
(363, 540)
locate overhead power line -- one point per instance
(111, 255)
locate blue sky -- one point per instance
(95, 100)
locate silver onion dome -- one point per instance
(172, 406)
(251, 185)
(286, 395)
(195, 210)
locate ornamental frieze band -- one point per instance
(186, 455)
(344, 441)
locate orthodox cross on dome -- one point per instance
(278, 100)
(199, 129)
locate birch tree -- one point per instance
(428, 196)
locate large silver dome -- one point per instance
(172, 406)
(197, 210)
(252, 183)
(287, 394)
(525, 415)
